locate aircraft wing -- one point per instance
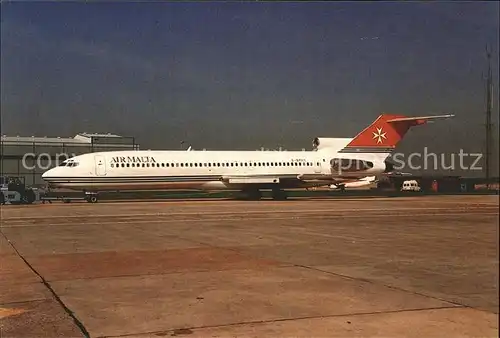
(283, 180)
(255, 179)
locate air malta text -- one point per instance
(133, 159)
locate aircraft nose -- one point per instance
(49, 173)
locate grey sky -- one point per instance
(246, 75)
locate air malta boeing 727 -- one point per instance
(333, 161)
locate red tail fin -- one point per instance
(386, 132)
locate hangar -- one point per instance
(28, 157)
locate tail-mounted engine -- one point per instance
(347, 165)
(320, 143)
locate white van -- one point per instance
(410, 185)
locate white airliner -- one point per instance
(333, 161)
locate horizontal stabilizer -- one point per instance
(420, 118)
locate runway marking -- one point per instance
(204, 213)
(170, 332)
(8, 312)
(133, 221)
(270, 202)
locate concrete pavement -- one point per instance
(392, 267)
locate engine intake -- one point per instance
(349, 165)
(389, 166)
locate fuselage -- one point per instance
(205, 170)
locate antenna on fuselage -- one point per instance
(182, 143)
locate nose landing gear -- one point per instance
(91, 197)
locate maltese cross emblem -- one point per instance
(379, 135)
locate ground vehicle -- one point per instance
(14, 191)
(410, 185)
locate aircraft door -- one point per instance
(100, 165)
(317, 166)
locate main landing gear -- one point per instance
(279, 195)
(250, 195)
(256, 194)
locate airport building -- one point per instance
(29, 157)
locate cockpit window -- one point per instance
(69, 163)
